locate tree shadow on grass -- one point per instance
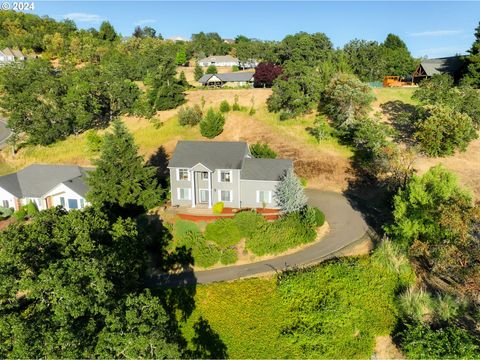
(206, 342)
(159, 160)
(402, 117)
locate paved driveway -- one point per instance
(4, 132)
(346, 227)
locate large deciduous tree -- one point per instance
(71, 287)
(121, 183)
(266, 73)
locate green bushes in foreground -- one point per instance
(223, 232)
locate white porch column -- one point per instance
(209, 189)
(192, 180)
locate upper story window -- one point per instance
(183, 174)
(204, 175)
(225, 176)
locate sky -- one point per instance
(432, 29)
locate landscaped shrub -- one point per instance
(235, 68)
(218, 207)
(319, 216)
(20, 214)
(276, 237)
(212, 69)
(223, 232)
(182, 227)
(389, 255)
(259, 150)
(229, 256)
(205, 255)
(247, 222)
(5, 213)
(190, 115)
(212, 124)
(31, 209)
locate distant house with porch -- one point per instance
(447, 65)
(46, 186)
(9, 55)
(234, 79)
(203, 173)
(222, 60)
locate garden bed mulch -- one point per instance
(268, 214)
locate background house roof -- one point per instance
(220, 58)
(36, 180)
(449, 65)
(212, 154)
(265, 169)
(228, 77)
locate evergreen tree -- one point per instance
(107, 32)
(121, 183)
(165, 90)
(289, 194)
(198, 73)
(183, 80)
(212, 124)
(181, 57)
(473, 61)
(212, 69)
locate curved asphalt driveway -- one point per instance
(4, 132)
(346, 227)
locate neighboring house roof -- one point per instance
(18, 53)
(265, 169)
(450, 65)
(228, 77)
(218, 59)
(8, 52)
(213, 154)
(177, 38)
(36, 180)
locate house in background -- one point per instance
(203, 173)
(428, 67)
(8, 55)
(222, 60)
(234, 79)
(46, 186)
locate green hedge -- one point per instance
(276, 237)
(229, 256)
(223, 232)
(248, 222)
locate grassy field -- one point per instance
(335, 310)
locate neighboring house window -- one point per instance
(204, 175)
(72, 203)
(62, 201)
(5, 203)
(82, 203)
(225, 176)
(183, 194)
(264, 196)
(225, 195)
(183, 174)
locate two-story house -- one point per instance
(203, 173)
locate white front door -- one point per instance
(203, 196)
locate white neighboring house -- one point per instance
(8, 55)
(221, 60)
(46, 186)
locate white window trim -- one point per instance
(178, 174)
(201, 176)
(220, 176)
(220, 195)
(269, 192)
(189, 192)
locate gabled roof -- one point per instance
(219, 58)
(8, 52)
(449, 65)
(36, 180)
(265, 169)
(213, 154)
(228, 77)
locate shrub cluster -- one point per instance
(28, 210)
(190, 115)
(5, 213)
(225, 106)
(264, 151)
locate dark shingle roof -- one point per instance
(449, 65)
(212, 154)
(227, 77)
(36, 180)
(265, 169)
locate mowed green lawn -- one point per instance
(384, 95)
(335, 310)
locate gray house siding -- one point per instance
(177, 184)
(249, 188)
(233, 186)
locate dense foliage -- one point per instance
(82, 295)
(190, 115)
(165, 90)
(289, 195)
(266, 73)
(262, 151)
